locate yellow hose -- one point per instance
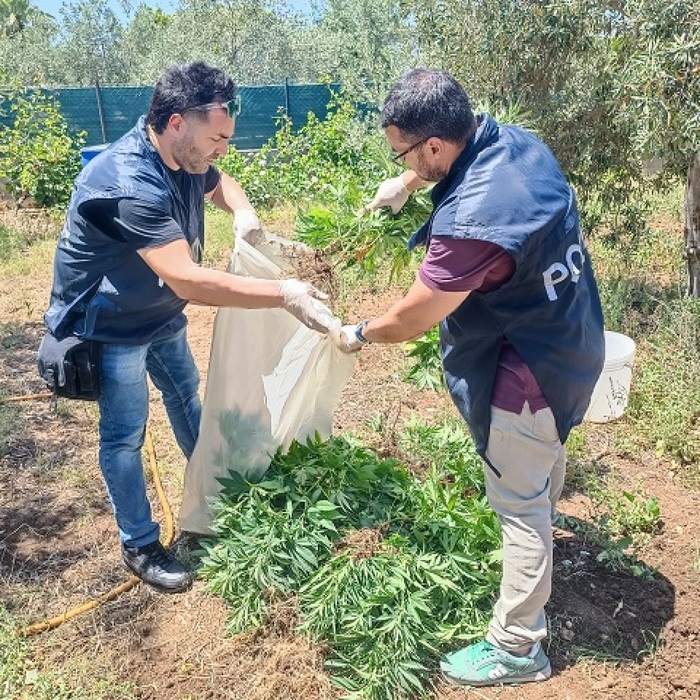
(27, 397)
(132, 581)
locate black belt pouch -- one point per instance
(70, 367)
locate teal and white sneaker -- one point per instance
(485, 664)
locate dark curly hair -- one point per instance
(185, 86)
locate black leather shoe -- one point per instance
(154, 565)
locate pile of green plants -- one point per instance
(387, 569)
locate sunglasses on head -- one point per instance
(233, 107)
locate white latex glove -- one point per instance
(247, 226)
(349, 342)
(390, 193)
(302, 300)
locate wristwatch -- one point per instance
(358, 331)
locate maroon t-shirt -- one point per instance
(460, 265)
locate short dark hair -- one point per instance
(185, 86)
(426, 103)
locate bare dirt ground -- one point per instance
(612, 635)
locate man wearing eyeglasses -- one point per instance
(508, 278)
(126, 266)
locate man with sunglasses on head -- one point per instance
(508, 278)
(126, 266)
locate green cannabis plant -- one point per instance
(387, 569)
(333, 224)
(425, 370)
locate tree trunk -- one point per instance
(692, 226)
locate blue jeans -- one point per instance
(123, 414)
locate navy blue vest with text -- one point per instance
(507, 188)
(102, 289)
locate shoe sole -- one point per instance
(542, 675)
(156, 587)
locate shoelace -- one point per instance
(159, 557)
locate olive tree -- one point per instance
(90, 45)
(27, 52)
(365, 44)
(656, 70)
(151, 41)
(544, 61)
(611, 87)
(250, 39)
(13, 16)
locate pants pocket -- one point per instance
(544, 426)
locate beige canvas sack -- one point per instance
(270, 380)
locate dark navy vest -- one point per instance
(506, 187)
(102, 289)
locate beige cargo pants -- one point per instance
(526, 451)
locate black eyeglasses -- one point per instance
(233, 107)
(396, 158)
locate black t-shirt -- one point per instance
(140, 223)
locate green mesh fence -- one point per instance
(106, 113)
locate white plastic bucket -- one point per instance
(612, 390)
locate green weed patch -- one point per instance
(21, 678)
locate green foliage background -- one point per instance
(611, 88)
(39, 156)
(299, 165)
